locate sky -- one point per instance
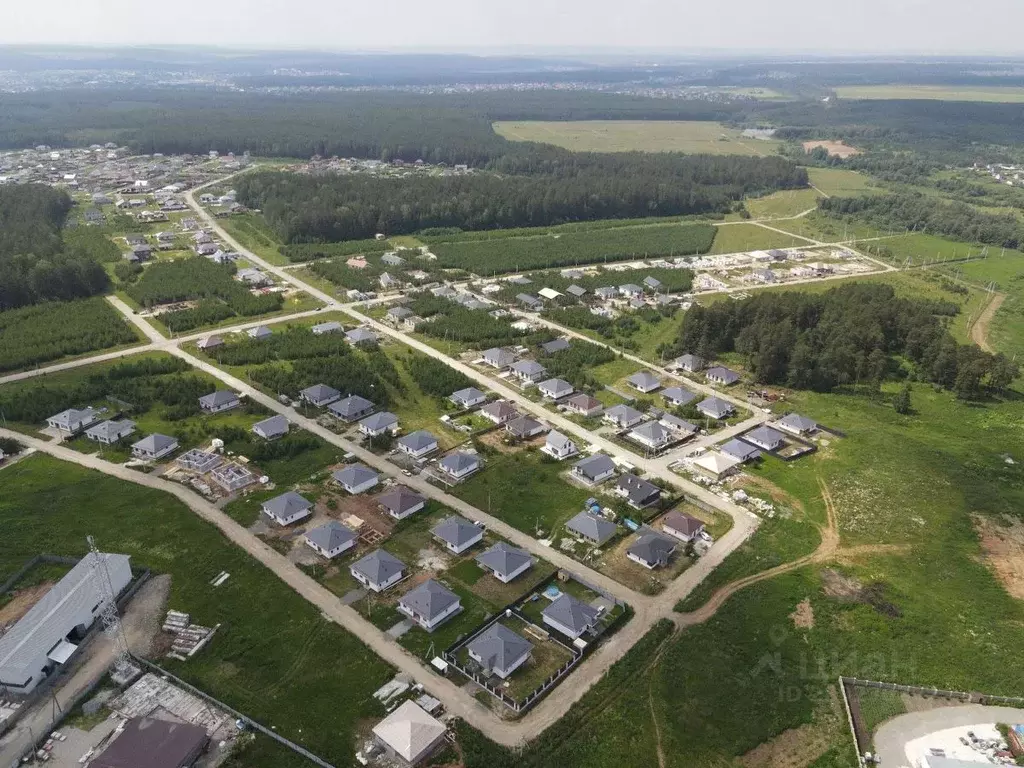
(935, 27)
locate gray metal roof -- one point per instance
(500, 409)
(716, 407)
(498, 647)
(458, 462)
(74, 415)
(275, 426)
(331, 535)
(571, 613)
(679, 395)
(429, 599)
(630, 288)
(685, 524)
(644, 380)
(523, 426)
(259, 332)
(653, 547)
(400, 313)
(399, 499)
(740, 450)
(355, 475)
(652, 282)
(456, 530)
(378, 421)
(592, 527)
(499, 357)
(680, 425)
(557, 387)
(219, 398)
(555, 345)
(720, 372)
(595, 465)
(798, 422)
(359, 335)
(765, 435)
(558, 440)
(528, 368)
(320, 393)
(378, 566)
(637, 489)
(111, 430)
(692, 362)
(286, 505)
(466, 395)
(155, 443)
(330, 327)
(418, 441)
(651, 431)
(351, 406)
(623, 414)
(503, 558)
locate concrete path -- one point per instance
(892, 737)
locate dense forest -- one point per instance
(922, 213)
(36, 262)
(588, 187)
(849, 335)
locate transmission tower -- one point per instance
(112, 628)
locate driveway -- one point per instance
(891, 739)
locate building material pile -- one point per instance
(189, 638)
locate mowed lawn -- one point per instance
(989, 93)
(274, 658)
(690, 136)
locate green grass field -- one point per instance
(841, 183)
(1011, 94)
(737, 238)
(275, 658)
(638, 135)
(252, 232)
(788, 202)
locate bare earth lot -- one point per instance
(837, 148)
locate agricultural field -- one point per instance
(839, 182)
(742, 237)
(989, 93)
(47, 333)
(692, 137)
(783, 204)
(310, 697)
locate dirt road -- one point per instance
(980, 328)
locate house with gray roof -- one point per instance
(677, 396)
(644, 381)
(377, 424)
(741, 450)
(210, 342)
(555, 389)
(637, 492)
(361, 337)
(459, 465)
(504, 561)
(397, 315)
(570, 616)
(623, 416)
(594, 469)
(378, 570)
(651, 549)
(153, 447)
(392, 259)
(631, 291)
(576, 290)
(272, 428)
(109, 432)
(524, 427)
(418, 444)
(558, 446)
(468, 397)
(287, 508)
(528, 371)
(259, 333)
(555, 345)
(430, 604)
(400, 502)
(796, 424)
(722, 376)
(766, 438)
(356, 478)
(651, 435)
(606, 292)
(499, 411)
(498, 358)
(682, 526)
(331, 539)
(321, 328)
(73, 420)
(593, 528)
(351, 408)
(681, 427)
(583, 404)
(320, 395)
(499, 651)
(653, 283)
(457, 533)
(715, 408)
(529, 301)
(219, 401)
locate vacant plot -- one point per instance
(840, 182)
(836, 148)
(690, 136)
(738, 238)
(252, 232)
(788, 202)
(1011, 94)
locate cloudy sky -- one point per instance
(919, 26)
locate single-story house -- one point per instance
(361, 337)
(457, 533)
(528, 371)
(651, 435)
(623, 416)
(528, 301)
(606, 292)
(392, 259)
(556, 389)
(716, 465)
(468, 397)
(651, 549)
(378, 423)
(555, 345)
(524, 427)
(219, 401)
(631, 291)
(331, 539)
(558, 446)
(156, 446)
(500, 411)
(504, 561)
(109, 432)
(272, 428)
(593, 528)
(418, 444)
(570, 616)
(766, 438)
(684, 527)
(410, 733)
(677, 396)
(459, 465)
(637, 492)
(721, 376)
(741, 450)
(715, 408)
(652, 282)
(681, 427)
(351, 408)
(499, 650)
(796, 424)
(400, 502)
(259, 332)
(378, 570)
(397, 315)
(430, 604)
(498, 358)
(356, 478)
(594, 469)
(644, 381)
(72, 421)
(320, 395)
(253, 277)
(576, 290)
(321, 328)
(584, 405)
(210, 342)
(689, 363)
(287, 508)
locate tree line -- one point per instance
(848, 335)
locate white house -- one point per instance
(356, 478)
(219, 401)
(110, 432)
(499, 651)
(156, 446)
(651, 435)
(558, 446)
(331, 539)
(570, 616)
(430, 604)
(72, 421)
(287, 508)
(378, 570)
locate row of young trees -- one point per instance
(370, 375)
(848, 335)
(435, 377)
(297, 343)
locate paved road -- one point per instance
(891, 738)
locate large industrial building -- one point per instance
(47, 636)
